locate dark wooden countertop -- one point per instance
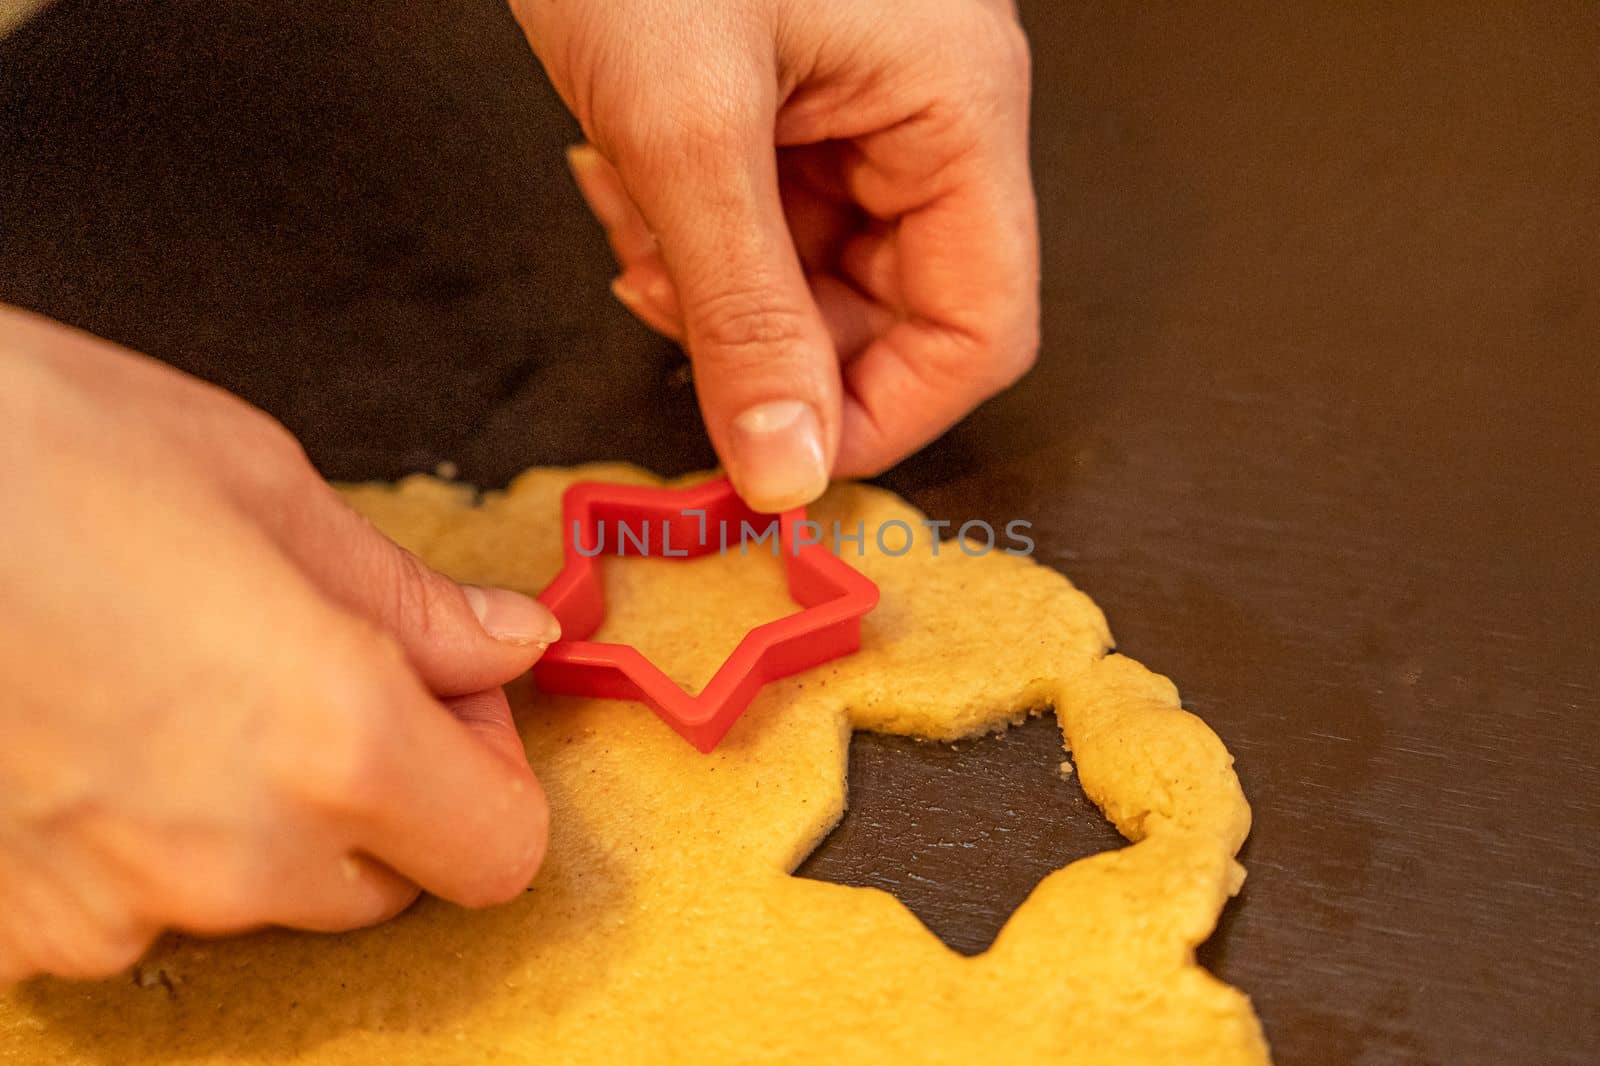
(1315, 422)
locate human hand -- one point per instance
(827, 201)
(226, 700)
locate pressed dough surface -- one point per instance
(665, 925)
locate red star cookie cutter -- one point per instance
(685, 523)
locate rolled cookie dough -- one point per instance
(665, 926)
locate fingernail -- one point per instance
(777, 458)
(656, 306)
(511, 617)
(628, 296)
(602, 195)
(581, 159)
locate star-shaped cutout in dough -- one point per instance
(683, 524)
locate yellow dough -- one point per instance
(665, 925)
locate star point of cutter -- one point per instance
(832, 595)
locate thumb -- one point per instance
(764, 364)
(460, 639)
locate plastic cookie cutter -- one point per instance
(687, 523)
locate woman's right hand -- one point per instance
(226, 701)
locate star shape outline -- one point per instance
(832, 596)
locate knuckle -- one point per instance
(1016, 359)
(280, 449)
(233, 418)
(978, 366)
(342, 772)
(744, 324)
(330, 750)
(690, 122)
(654, 149)
(710, 129)
(274, 461)
(1004, 369)
(277, 442)
(418, 598)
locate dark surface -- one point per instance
(961, 833)
(1315, 423)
